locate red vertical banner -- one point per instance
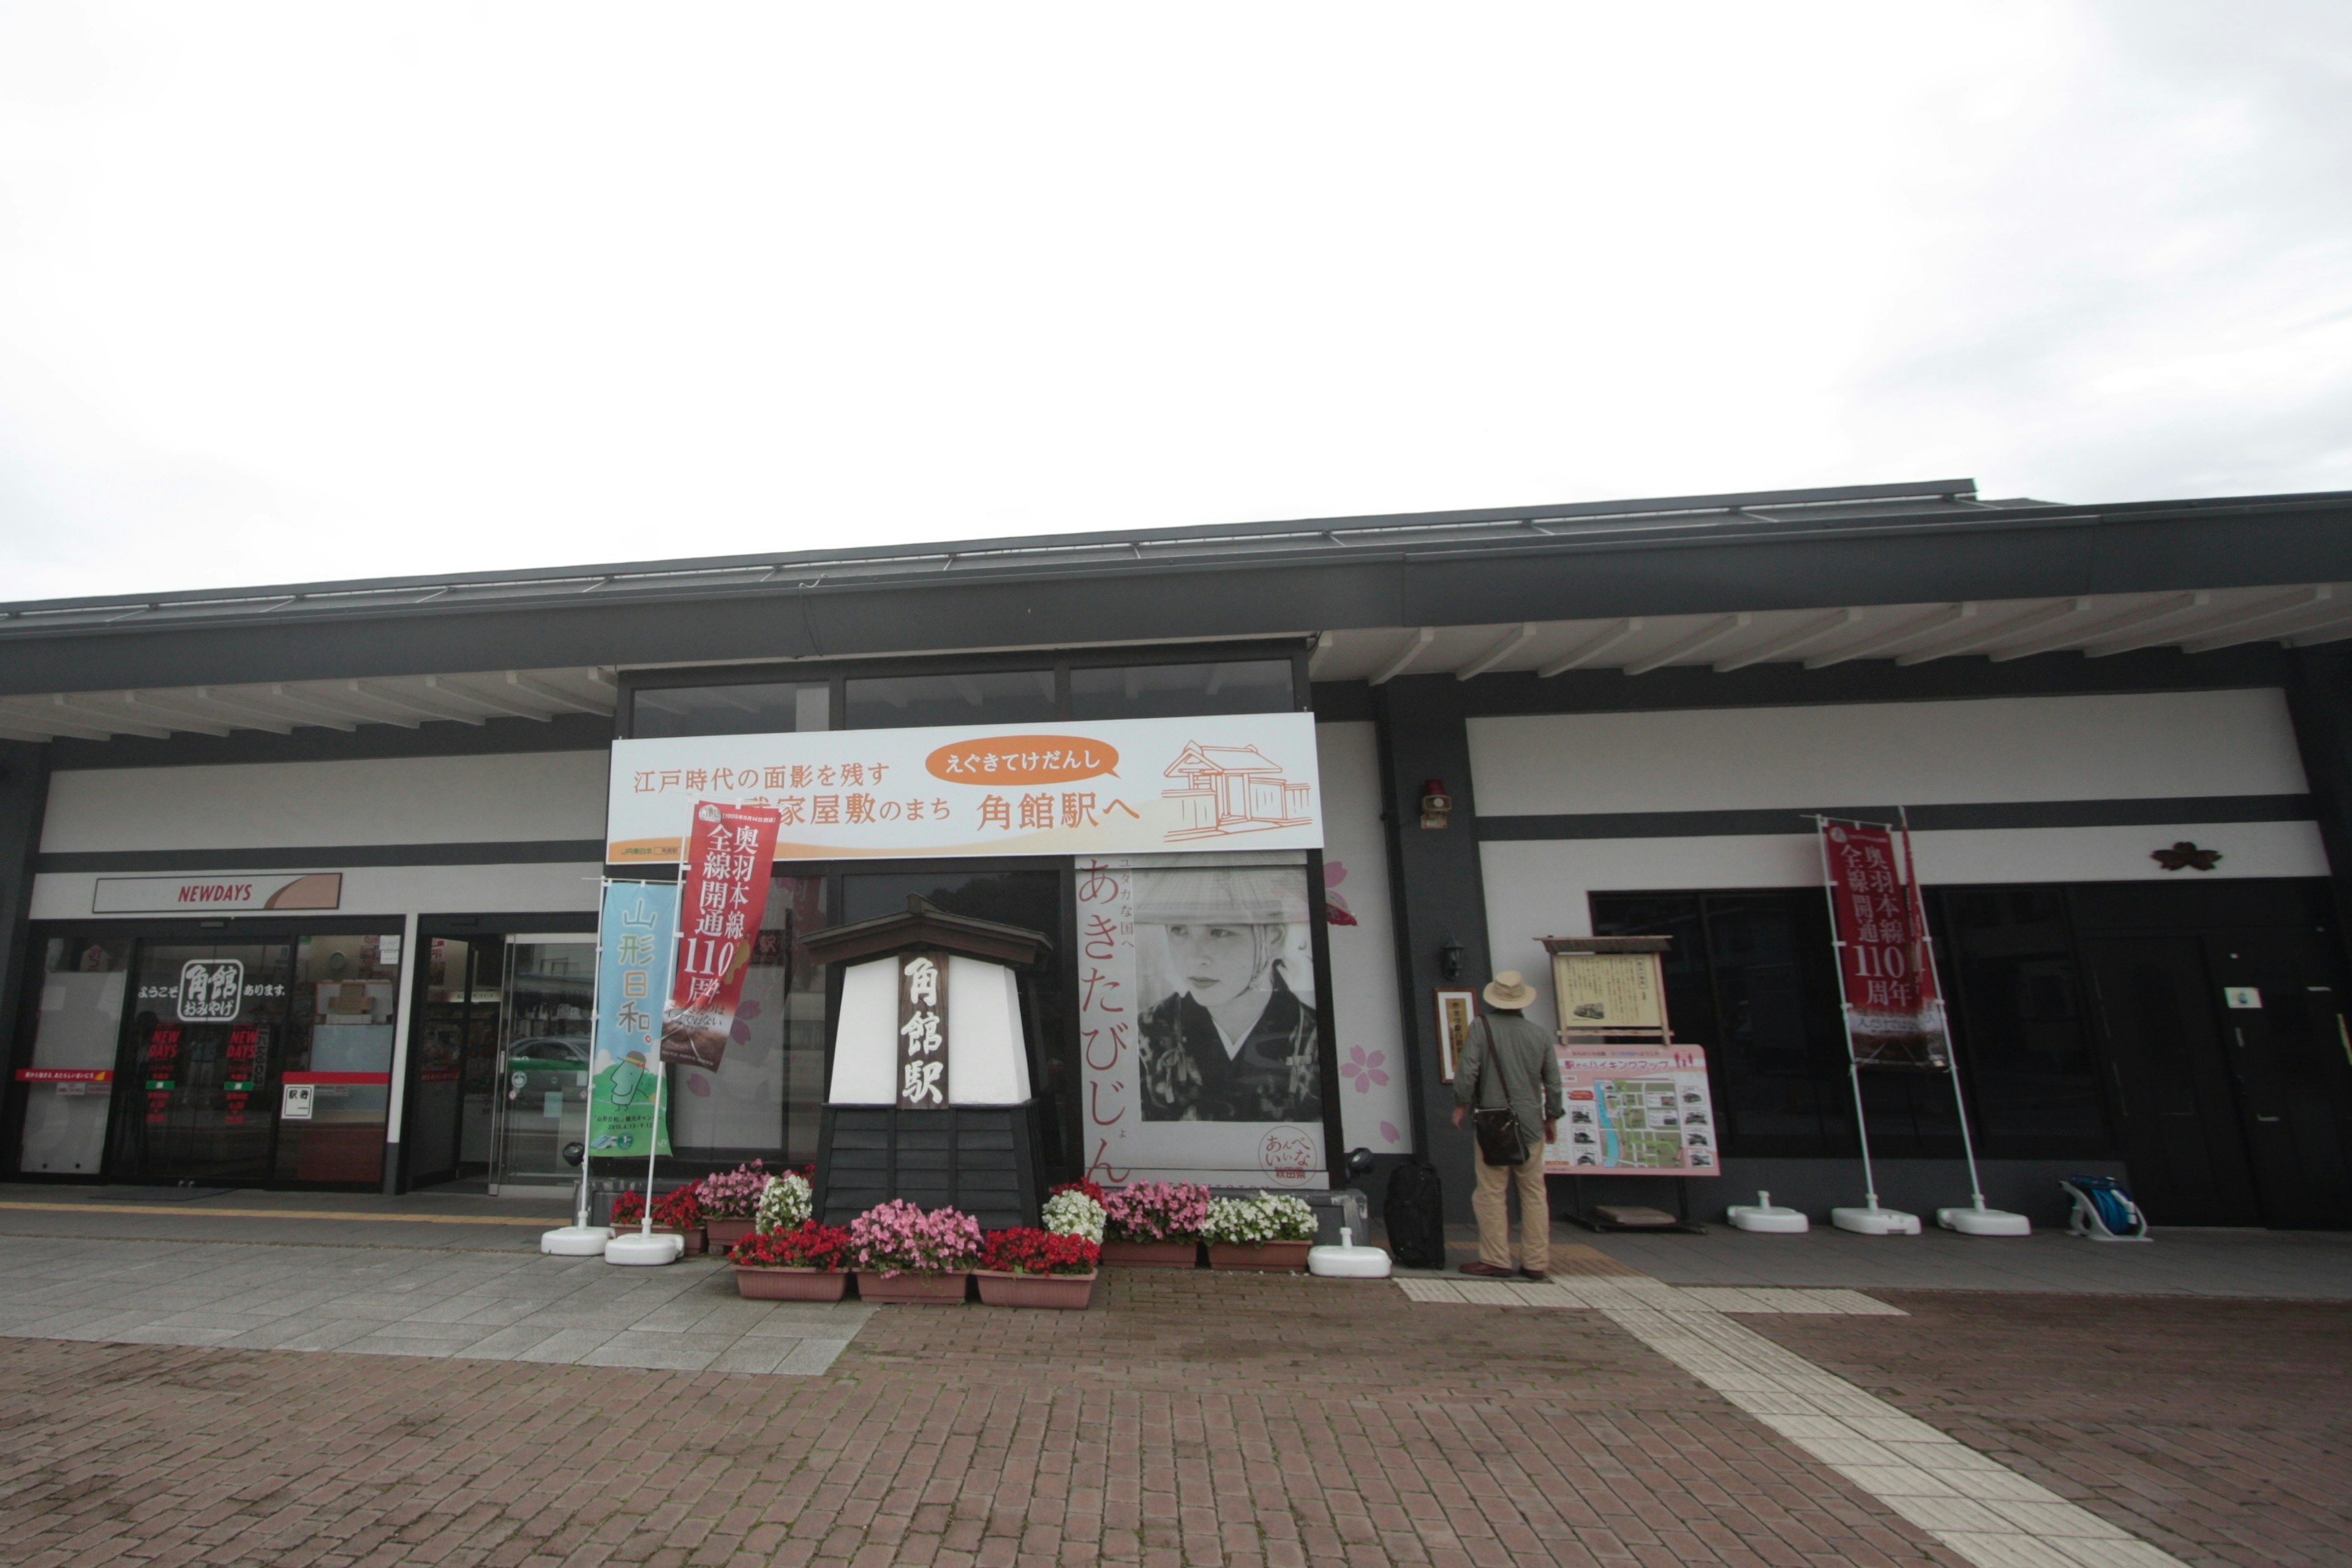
(1894, 1016)
(720, 900)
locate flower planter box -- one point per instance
(791, 1284)
(912, 1289)
(726, 1233)
(1151, 1254)
(1266, 1257)
(1069, 1292)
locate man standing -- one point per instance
(1508, 1064)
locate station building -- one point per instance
(298, 884)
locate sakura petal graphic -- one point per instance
(1334, 907)
(741, 1032)
(1389, 1131)
(1364, 1069)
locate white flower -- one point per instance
(1253, 1221)
(784, 1202)
(1075, 1213)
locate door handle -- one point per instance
(2345, 1037)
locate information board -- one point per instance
(1634, 1111)
(1601, 992)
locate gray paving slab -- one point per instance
(396, 1301)
(2304, 1265)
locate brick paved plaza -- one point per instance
(1205, 1418)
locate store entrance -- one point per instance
(207, 1043)
(501, 1079)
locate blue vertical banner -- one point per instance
(632, 949)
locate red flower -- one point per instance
(813, 1246)
(1092, 1189)
(677, 1210)
(1025, 1251)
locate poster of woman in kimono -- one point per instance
(1230, 1033)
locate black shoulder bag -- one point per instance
(1500, 1139)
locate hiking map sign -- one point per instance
(1636, 1109)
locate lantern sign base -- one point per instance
(1984, 1222)
(1875, 1221)
(637, 1247)
(575, 1240)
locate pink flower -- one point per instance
(1364, 1070)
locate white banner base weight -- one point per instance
(1348, 1261)
(637, 1247)
(1984, 1222)
(1767, 1218)
(575, 1240)
(1875, 1221)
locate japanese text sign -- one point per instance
(1225, 782)
(720, 900)
(1894, 1016)
(923, 1031)
(633, 946)
(1634, 1111)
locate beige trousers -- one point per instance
(1491, 1204)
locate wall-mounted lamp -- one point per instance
(1449, 960)
(1436, 806)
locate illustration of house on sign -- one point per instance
(1233, 789)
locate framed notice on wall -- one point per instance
(1456, 1010)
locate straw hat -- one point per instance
(1508, 991)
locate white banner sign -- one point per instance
(222, 890)
(1243, 781)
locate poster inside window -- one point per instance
(1198, 1022)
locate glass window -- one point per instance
(209, 1034)
(768, 1090)
(762, 709)
(69, 1082)
(992, 697)
(1178, 690)
(339, 1045)
(2008, 961)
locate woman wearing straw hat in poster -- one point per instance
(1507, 1063)
(1229, 1041)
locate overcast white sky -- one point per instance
(303, 291)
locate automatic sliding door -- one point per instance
(207, 1033)
(542, 1101)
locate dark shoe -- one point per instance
(1489, 1270)
(1531, 1274)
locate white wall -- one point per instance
(539, 888)
(1375, 1105)
(1912, 753)
(1977, 752)
(394, 800)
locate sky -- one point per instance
(301, 292)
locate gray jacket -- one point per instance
(1504, 1046)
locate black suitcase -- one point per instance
(1415, 1216)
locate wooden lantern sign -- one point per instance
(930, 1099)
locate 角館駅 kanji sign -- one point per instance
(1894, 1016)
(1242, 781)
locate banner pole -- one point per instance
(1845, 1015)
(595, 1011)
(1951, 1051)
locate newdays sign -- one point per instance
(1127, 787)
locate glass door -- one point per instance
(207, 1033)
(542, 1098)
(456, 1047)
